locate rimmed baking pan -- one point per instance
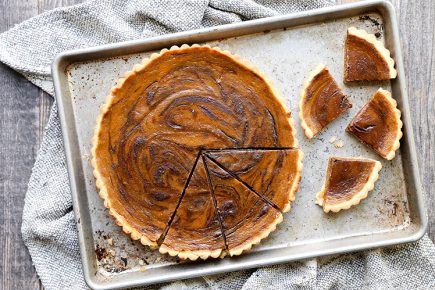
(285, 48)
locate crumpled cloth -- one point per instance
(48, 227)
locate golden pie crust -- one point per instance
(366, 58)
(378, 124)
(348, 181)
(151, 135)
(321, 101)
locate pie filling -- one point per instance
(322, 101)
(151, 132)
(378, 124)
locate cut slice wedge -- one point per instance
(246, 218)
(366, 58)
(348, 181)
(378, 124)
(321, 102)
(195, 231)
(273, 173)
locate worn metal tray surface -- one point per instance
(286, 48)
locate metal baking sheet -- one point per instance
(286, 48)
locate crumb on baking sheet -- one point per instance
(110, 241)
(333, 138)
(142, 268)
(339, 144)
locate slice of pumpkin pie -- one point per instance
(321, 102)
(348, 181)
(366, 58)
(378, 124)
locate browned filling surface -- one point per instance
(375, 124)
(323, 101)
(159, 120)
(345, 178)
(270, 172)
(362, 61)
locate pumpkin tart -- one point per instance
(269, 172)
(378, 124)
(321, 102)
(366, 58)
(150, 137)
(348, 181)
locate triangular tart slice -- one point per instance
(378, 124)
(246, 218)
(273, 173)
(321, 102)
(366, 58)
(348, 181)
(195, 231)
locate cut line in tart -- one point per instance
(366, 58)
(195, 231)
(154, 127)
(347, 182)
(246, 217)
(378, 124)
(269, 172)
(321, 101)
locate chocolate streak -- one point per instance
(162, 115)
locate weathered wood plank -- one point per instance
(18, 122)
(417, 25)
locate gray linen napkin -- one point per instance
(48, 223)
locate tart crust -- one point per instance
(395, 115)
(379, 47)
(357, 196)
(340, 102)
(102, 187)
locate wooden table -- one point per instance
(24, 110)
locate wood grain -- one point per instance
(417, 25)
(18, 136)
(24, 111)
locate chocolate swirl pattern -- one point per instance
(160, 116)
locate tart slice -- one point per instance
(366, 58)
(273, 173)
(322, 101)
(246, 218)
(378, 124)
(195, 231)
(348, 181)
